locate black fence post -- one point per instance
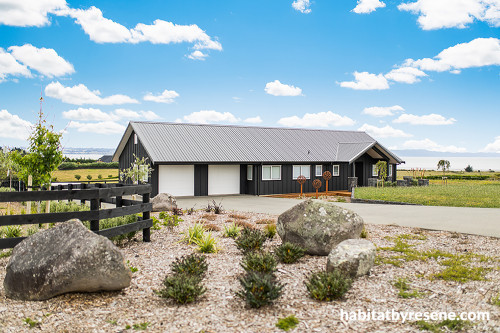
(94, 206)
(146, 233)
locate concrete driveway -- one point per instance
(478, 221)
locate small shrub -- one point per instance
(190, 211)
(172, 221)
(99, 176)
(210, 226)
(259, 262)
(259, 289)
(469, 168)
(250, 240)
(244, 224)
(194, 233)
(156, 223)
(217, 207)
(89, 177)
(193, 265)
(5, 254)
(265, 221)
(270, 230)
(404, 290)
(32, 230)
(78, 177)
(238, 216)
(232, 231)
(132, 268)
(495, 300)
(287, 323)
(182, 288)
(208, 209)
(177, 211)
(341, 199)
(163, 215)
(364, 233)
(31, 323)
(207, 244)
(13, 231)
(451, 325)
(141, 326)
(289, 253)
(327, 286)
(110, 176)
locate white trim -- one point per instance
(336, 174)
(390, 170)
(135, 138)
(271, 172)
(316, 170)
(301, 173)
(249, 172)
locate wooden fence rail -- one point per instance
(96, 194)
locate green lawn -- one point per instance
(463, 194)
(69, 175)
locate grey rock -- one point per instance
(355, 257)
(318, 227)
(163, 202)
(66, 258)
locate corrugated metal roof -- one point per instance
(349, 150)
(180, 142)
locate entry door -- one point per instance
(223, 179)
(358, 167)
(178, 180)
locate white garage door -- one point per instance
(223, 179)
(178, 180)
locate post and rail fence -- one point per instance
(96, 194)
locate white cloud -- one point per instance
(103, 30)
(405, 75)
(45, 61)
(80, 95)
(383, 132)
(368, 6)
(320, 119)
(103, 127)
(28, 13)
(11, 126)
(167, 96)
(89, 114)
(210, 116)
(302, 6)
(428, 119)
(493, 147)
(431, 145)
(382, 111)
(197, 55)
(276, 88)
(130, 114)
(253, 120)
(437, 14)
(366, 81)
(10, 66)
(476, 53)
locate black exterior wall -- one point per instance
(200, 179)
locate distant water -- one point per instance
(456, 163)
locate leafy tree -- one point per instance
(443, 164)
(43, 156)
(469, 168)
(381, 169)
(78, 177)
(89, 177)
(8, 167)
(138, 172)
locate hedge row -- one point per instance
(94, 165)
(460, 177)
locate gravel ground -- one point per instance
(219, 310)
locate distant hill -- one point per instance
(428, 153)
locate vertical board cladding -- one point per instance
(289, 185)
(200, 179)
(127, 158)
(154, 180)
(248, 186)
(368, 163)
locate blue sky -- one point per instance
(415, 74)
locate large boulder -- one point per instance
(317, 226)
(354, 257)
(66, 258)
(163, 202)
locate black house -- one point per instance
(197, 160)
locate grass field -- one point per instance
(456, 194)
(402, 173)
(69, 175)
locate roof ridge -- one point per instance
(247, 126)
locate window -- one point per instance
(336, 170)
(301, 170)
(319, 170)
(143, 171)
(271, 172)
(249, 172)
(390, 170)
(135, 139)
(374, 170)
